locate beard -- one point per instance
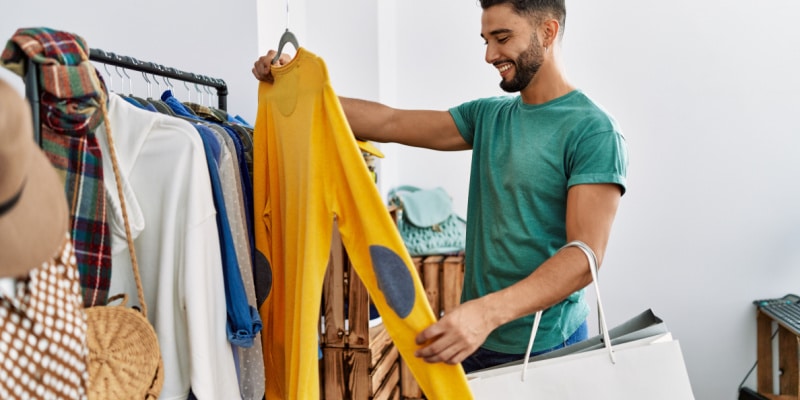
(526, 65)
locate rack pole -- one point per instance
(160, 70)
(32, 94)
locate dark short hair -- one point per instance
(556, 9)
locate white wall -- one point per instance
(705, 90)
(706, 94)
(208, 37)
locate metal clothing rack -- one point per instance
(127, 62)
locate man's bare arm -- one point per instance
(380, 123)
(591, 209)
(420, 128)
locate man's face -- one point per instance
(526, 64)
(512, 46)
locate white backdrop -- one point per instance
(208, 37)
(706, 92)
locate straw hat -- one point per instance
(33, 207)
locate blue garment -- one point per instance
(177, 107)
(147, 106)
(133, 101)
(247, 185)
(239, 120)
(150, 107)
(244, 321)
(485, 358)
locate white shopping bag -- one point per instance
(649, 368)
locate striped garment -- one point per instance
(71, 93)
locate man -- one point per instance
(548, 167)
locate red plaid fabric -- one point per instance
(72, 92)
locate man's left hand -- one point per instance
(457, 335)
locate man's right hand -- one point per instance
(261, 68)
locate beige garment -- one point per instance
(251, 360)
(43, 352)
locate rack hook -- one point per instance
(188, 91)
(149, 87)
(110, 77)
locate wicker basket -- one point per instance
(123, 353)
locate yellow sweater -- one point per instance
(307, 170)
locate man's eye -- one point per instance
(502, 39)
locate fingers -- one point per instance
(429, 334)
(446, 349)
(455, 336)
(261, 68)
(447, 354)
(284, 59)
(443, 345)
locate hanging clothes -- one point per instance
(180, 237)
(243, 320)
(244, 323)
(308, 172)
(242, 328)
(70, 109)
(243, 147)
(168, 194)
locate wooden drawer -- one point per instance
(362, 373)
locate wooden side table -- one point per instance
(789, 379)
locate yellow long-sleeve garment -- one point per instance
(308, 170)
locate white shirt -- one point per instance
(169, 202)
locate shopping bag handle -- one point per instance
(601, 313)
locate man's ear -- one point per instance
(551, 29)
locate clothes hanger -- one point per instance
(188, 91)
(210, 95)
(287, 37)
(149, 85)
(110, 78)
(145, 102)
(130, 94)
(121, 78)
(157, 102)
(170, 86)
(199, 94)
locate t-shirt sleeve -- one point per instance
(464, 116)
(600, 158)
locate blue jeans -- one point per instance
(483, 358)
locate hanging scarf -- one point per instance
(71, 94)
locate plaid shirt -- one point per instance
(72, 92)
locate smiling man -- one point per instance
(548, 166)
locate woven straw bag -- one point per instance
(124, 358)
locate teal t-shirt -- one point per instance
(524, 159)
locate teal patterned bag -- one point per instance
(427, 222)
